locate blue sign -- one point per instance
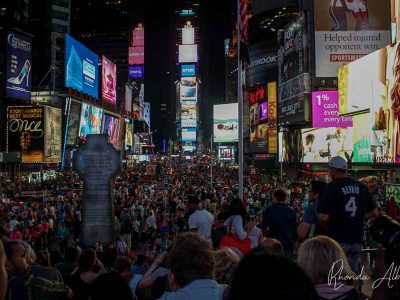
(19, 66)
(136, 71)
(81, 68)
(188, 70)
(189, 134)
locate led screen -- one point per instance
(136, 71)
(187, 53)
(188, 134)
(52, 138)
(325, 110)
(188, 36)
(263, 111)
(226, 153)
(188, 70)
(136, 55)
(137, 38)
(91, 118)
(226, 122)
(81, 68)
(254, 114)
(188, 93)
(111, 128)
(189, 114)
(109, 80)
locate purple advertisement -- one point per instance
(263, 111)
(135, 71)
(19, 66)
(325, 110)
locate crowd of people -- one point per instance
(179, 237)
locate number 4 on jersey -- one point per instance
(351, 206)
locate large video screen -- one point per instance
(263, 111)
(109, 80)
(189, 114)
(188, 134)
(111, 128)
(226, 153)
(136, 55)
(91, 119)
(136, 72)
(19, 66)
(259, 138)
(187, 53)
(325, 110)
(226, 122)
(137, 37)
(81, 68)
(188, 36)
(73, 124)
(188, 70)
(254, 114)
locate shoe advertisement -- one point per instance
(346, 30)
(19, 66)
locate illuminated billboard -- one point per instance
(91, 119)
(137, 37)
(188, 93)
(111, 128)
(187, 53)
(188, 36)
(325, 110)
(136, 55)
(73, 123)
(188, 134)
(128, 133)
(136, 72)
(226, 122)
(263, 111)
(81, 68)
(188, 123)
(226, 153)
(109, 80)
(259, 138)
(188, 70)
(254, 114)
(189, 113)
(26, 132)
(19, 66)
(52, 137)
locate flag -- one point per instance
(243, 21)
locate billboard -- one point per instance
(259, 138)
(25, 132)
(188, 93)
(254, 114)
(81, 68)
(272, 102)
(137, 38)
(188, 123)
(188, 134)
(325, 110)
(189, 113)
(263, 111)
(136, 72)
(187, 53)
(226, 122)
(128, 98)
(19, 66)
(136, 55)
(73, 124)
(263, 65)
(91, 119)
(128, 133)
(348, 30)
(226, 153)
(188, 36)
(111, 128)
(272, 140)
(188, 70)
(109, 80)
(52, 137)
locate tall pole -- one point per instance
(211, 155)
(239, 87)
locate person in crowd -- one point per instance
(156, 270)
(281, 279)
(280, 221)
(342, 208)
(200, 221)
(331, 261)
(68, 265)
(309, 225)
(272, 247)
(226, 261)
(3, 272)
(189, 278)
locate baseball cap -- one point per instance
(338, 162)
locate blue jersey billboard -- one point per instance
(81, 68)
(19, 66)
(188, 70)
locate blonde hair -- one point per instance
(317, 256)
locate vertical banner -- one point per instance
(25, 132)
(19, 66)
(52, 138)
(273, 140)
(109, 80)
(348, 30)
(73, 125)
(272, 102)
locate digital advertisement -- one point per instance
(81, 68)
(347, 30)
(263, 65)
(189, 112)
(272, 102)
(53, 131)
(136, 72)
(19, 66)
(188, 93)
(111, 128)
(26, 132)
(254, 115)
(263, 111)
(109, 80)
(188, 70)
(226, 122)
(187, 53)
(259, 138)
(136, 55)
(137, 37)
(272, 140)
(73, 124)
(128, 133)
(188, 35)
(325, 110)
(188, 134)
(226, 153)
(91, 119)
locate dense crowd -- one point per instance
(179, 237)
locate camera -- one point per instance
(386, 231)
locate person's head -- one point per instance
(279, 196)
(326, 252)
(226, 260)
(337, 168)
(18, 258)
(272, 247)
(123, 266)
(71, 255)
(87, 260)
(282, 279)
(190, 258)
(236, 207)
(316, 189)
(193, 202)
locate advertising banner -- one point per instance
(128, 98)
(188, 70)
(81, 68)
(226, 153)
(187, 53)
(111, 128)
(128, 133)
(361, 138)
(254, 115)
(263, 65)
(188, 36)
(325, 110)
(19, 66)
(259, 138)
(136, 55)
(25, 132)
(272, 102)
(272, 140)
(226, 122)
(136, 72)
(263, 111)
(348, 30)
(188, 123)
(188, 93)
(91, 119)
(137, 37)
(109, 80)
(52, 137)
(188, 134)
(73, 124)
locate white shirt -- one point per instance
(236, 226)
(203, 221)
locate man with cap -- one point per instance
(200, 221)
(342, 208)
